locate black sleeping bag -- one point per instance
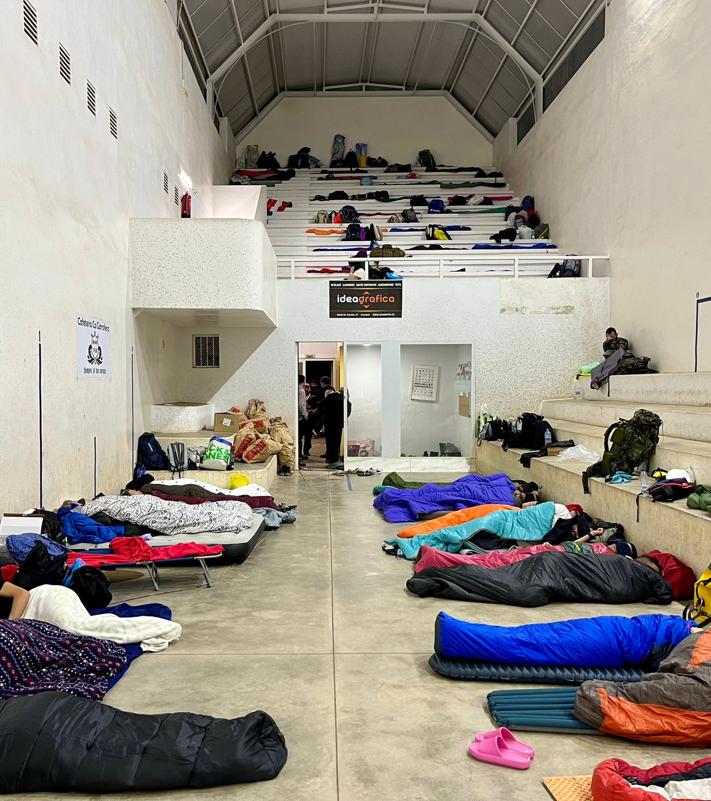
(547, 577)
(55, 742)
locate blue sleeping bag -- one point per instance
(530, 525)
(612, 642)
(78, 527)
(408, 505)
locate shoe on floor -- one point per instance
(335, 466)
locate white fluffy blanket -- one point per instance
(62, 607)
(167, 517)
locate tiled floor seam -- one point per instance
(333, 647)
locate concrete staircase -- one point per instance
(683, 401)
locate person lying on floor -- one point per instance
(61, 607)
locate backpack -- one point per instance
(251, 154)
(351, 160)
(495, 429)
(149, 455)
(632, 365)
(699, 610)
(374, 232)
(366, 180)
(700, 498)
(427, 160)
(671, 490)
(349, 215)
(396, 218)
(337, 194)
(436, 232)
(321, 217)
(92, 587)
(335, 217)
(530, 431)
(541, 231)
(387, 252)
(177, 458)
(628, 445)
(338, 150)
(409, 216)
(528, 203)
(419, 200)
(435, 206)
(353, 233)
(568, 268)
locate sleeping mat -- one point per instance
(524, 525)
(408, 505)
(55, 742)
(547, 577)
(605, 641)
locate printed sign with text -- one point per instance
(365, 299)
(93, 347)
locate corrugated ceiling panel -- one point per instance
(536, 56)
(260, 67)
(434, 58)
(557, 14)
(507, 101)
(506, 16)
(393, 48)
(298, 42)
(344, 44)
(546, 37)
(491, 117)
(220, 49)
(204, 12)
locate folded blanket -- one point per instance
(61, 607)
(166, 517)
(404, 506)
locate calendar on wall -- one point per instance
(425, 383)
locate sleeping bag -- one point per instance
(525, 525)
(547, 577)
(431, 557)
(672, 705)
(453, 519)
(617, 780)
(54, 742)
(404, 506)
(614, 642)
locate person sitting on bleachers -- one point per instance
(613, 342)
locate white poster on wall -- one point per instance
(93, 347)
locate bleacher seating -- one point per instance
(298, 246)
(682, 401)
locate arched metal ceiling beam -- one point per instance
(336, 17)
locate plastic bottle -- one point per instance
(644, 481)
(578, 391)
(547, 438)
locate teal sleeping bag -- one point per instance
(528, 525)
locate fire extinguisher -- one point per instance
(185, 204)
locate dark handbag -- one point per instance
(40, 568)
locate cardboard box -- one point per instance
(228, 421)
(20, 524)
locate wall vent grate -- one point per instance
(30, 20)
(166, 183)
(206, 351)
(113, 123)
(91, 97)
(65, 64)
(176, 195)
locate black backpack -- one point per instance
(495, 429)
(92, 587)
(150, 455)
(178, 458)
(427, 160)
(351, 160)
(40, 567)
(349, 214)
(337, 194)
(353, 233)
(419, 200)
(671, 490)
(628, 444)
(409, 216)
(530, 431)
(568, 268)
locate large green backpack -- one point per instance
(700, 498)
(628, 445)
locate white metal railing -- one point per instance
(443, 265)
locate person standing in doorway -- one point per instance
(332, 408)
(304, 423)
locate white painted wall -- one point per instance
(424, 424)
(69, 189)
(529, 337)
(620, 163)
(242, 202)
(363, 376)
(318, 350)
(395, 128)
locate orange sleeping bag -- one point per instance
(454, 519)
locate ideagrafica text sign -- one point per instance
(365, 299)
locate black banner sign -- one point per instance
(365, 299)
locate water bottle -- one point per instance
(578, 391)
(644, 481)
(547, 438)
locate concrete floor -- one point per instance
(317, 629)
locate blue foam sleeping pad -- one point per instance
(537, 710)
(596, 642)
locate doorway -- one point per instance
(321, 430)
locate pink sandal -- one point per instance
(495, 750)
(509, 739)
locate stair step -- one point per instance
(679, 421)
(692, 389)
(672, 452)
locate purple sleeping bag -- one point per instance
(408, 505)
